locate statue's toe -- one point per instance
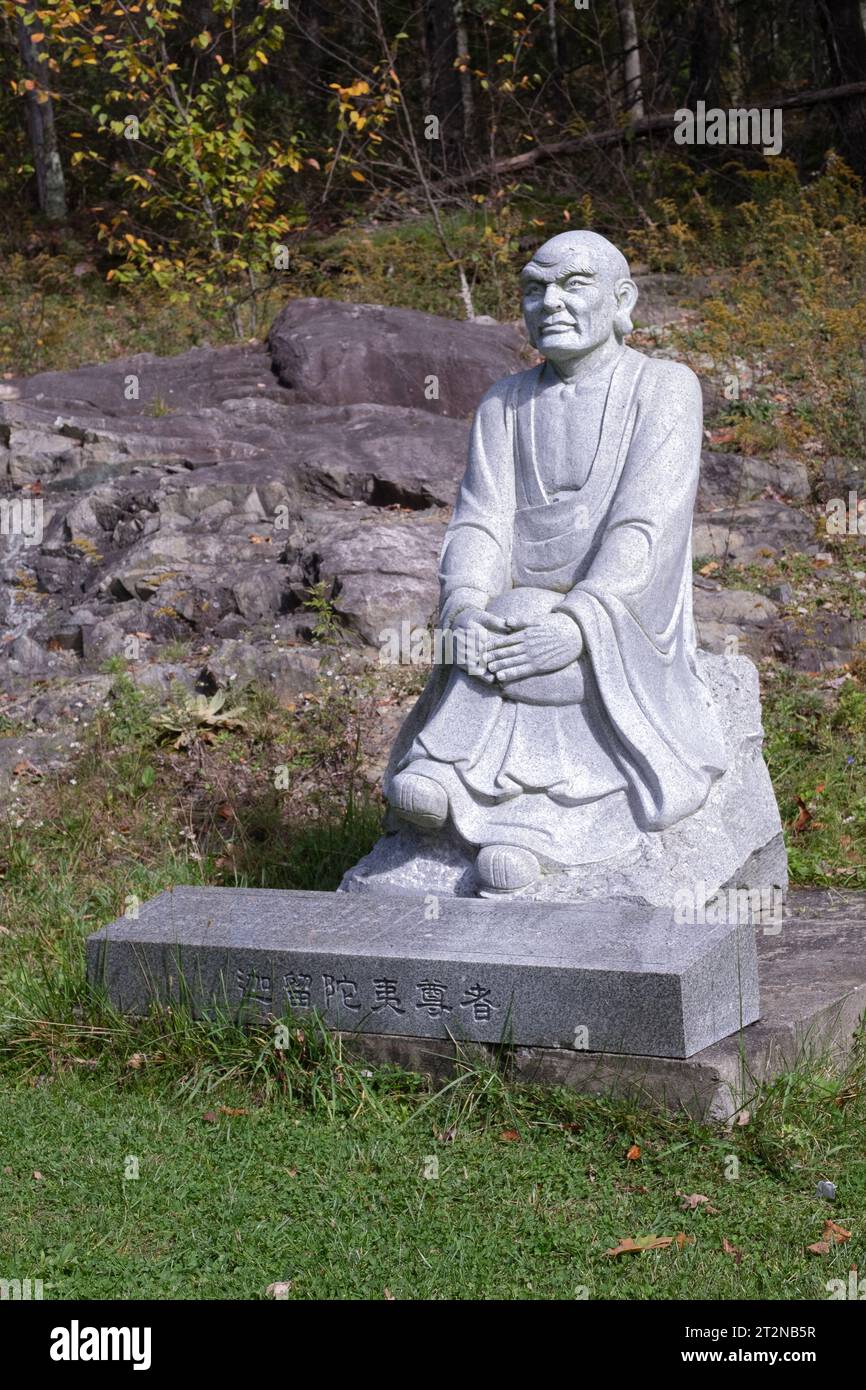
(419, 800)
(505, 869)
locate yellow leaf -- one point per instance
(261, 57)
(356, 174)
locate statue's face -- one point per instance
(570, 305)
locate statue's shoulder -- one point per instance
(662, 374)
(504, 391)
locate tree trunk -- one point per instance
(446, 97)
(50, 184)
(631, 73)
(466, 97)
(844, 25)
(710, 39)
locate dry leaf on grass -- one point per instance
(732, 1250)
(833, 1235)
(628, 1246)
(633, 1153)
(279, 1290)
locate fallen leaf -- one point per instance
(633, 1153)
(210, 1117)
(389, 1296)
(804, 816)
(627, 1246)
(231, 1110)
(683, 1240)
(447, 1136)
(692, 1200)
(836, 1233)
(710, 568)
(732, 1250)
(37, 1175)
(510, 1136)
(137, 1060)
(833, 1235)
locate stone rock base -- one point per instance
(734, 841)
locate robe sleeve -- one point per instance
(476, 555)
(633, 606)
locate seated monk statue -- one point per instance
(573, 718)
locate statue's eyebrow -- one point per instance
(545, 274)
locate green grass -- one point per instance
(320, 1181)
(333, 1197)
(815, 746)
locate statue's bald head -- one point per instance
(573, 250)
(577, 261)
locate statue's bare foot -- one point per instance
(419, 800)
(505, 869)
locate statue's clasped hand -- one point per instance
(536, 649)
(474, 630)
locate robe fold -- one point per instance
(577, 764)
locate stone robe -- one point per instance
(578, 764)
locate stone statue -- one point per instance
(575, 726)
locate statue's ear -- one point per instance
(626, 293)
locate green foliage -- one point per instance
(816, 752)
(197, 186)
(789, 312)
(320, 602)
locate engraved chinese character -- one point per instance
(478, 999)
(348, 992)
(297, 989)
(254, 985)
(386, 996)
(432, 999)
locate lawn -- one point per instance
(371, 1189)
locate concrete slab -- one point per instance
(612, 976)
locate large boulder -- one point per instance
(344, 354)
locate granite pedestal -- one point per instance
(606, 977)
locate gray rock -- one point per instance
(381, 570)
(758, 531)
(819, 641)
(733, 479)
(289, 671)
(338, 353)
(728, 620)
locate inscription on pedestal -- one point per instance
(609, 977)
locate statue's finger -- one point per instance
(514, 673)
(507, 644)
(494, 623)
(512, 659)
